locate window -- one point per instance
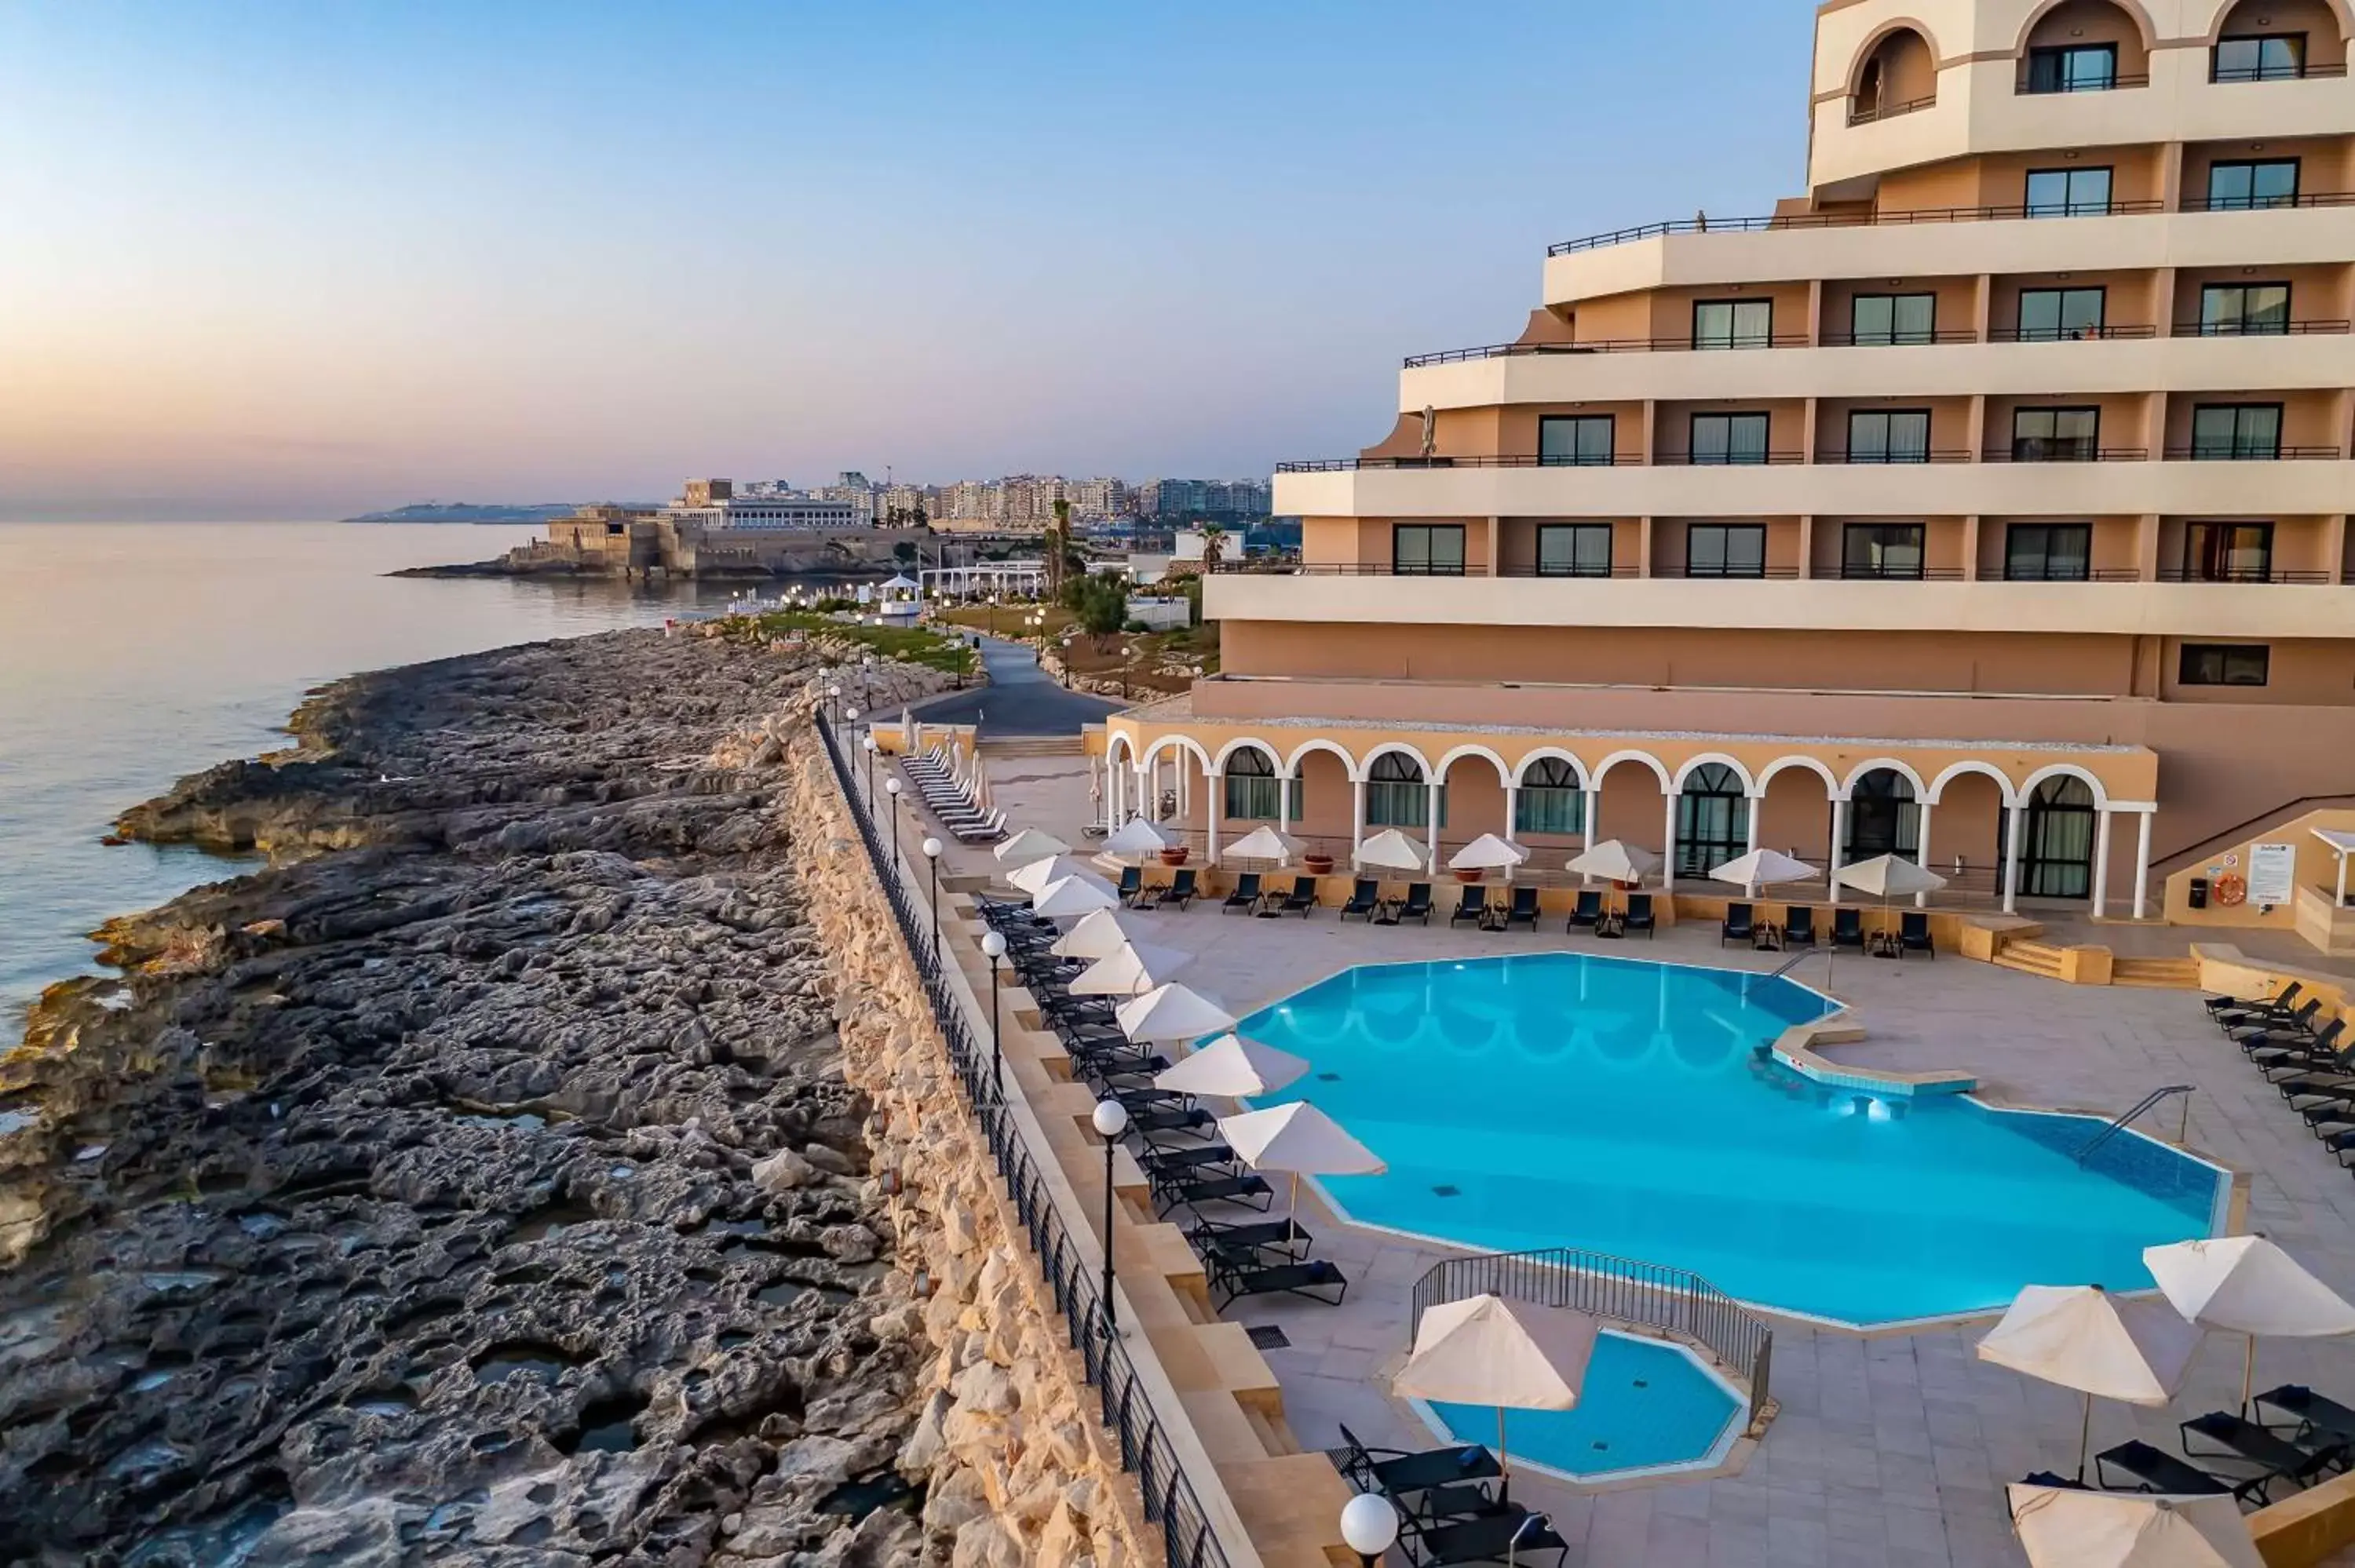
(2224, 664)
(1725, 550)
(1734, 323)
(2056, 434)
(1574, 549)
(2048, 553)
(1397, 796)
(2050, 315)
(2074, 67)
(1253, 789)
(2236, 431)
(1427, 549)
(2245, 310)
(1712, 820)
(1882, 550)
(2246, 184)
(2274, 56)
(1883, 817)
(2068, 192)
(1879, 320)
(1550, 800)
(2056, 852)
(1888, 435)
(1576, 440)
(2228, 552)
(1728, 437)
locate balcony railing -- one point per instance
(2034, 451)
(2292, 72)
(1870, 219)
(1896, 339)
(1730, 460)
(2057, 452)
(1520, 460)
(2221, 452)
(2269, 203)
(1856, 572)
(2069, 335)
(1854, 459)
(1881, 111)
(2261, 329)
(2319, 327)
(2241, 574)
(1840, 572)
(2026, 88)
(1608, 346)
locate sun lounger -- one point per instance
(1301, 899)
(1178, 1163)
(1307, 1279)
(1282, 1237)
(1249, 1190)
(1469, 904)
(1848, 929)
(1524, 910)
(1245, 896)
(2312, 1412)
(1417, 905)
(2324, 1048)
(2236, 1437)
(1191, 1119)
(1180, 892)
(1740, 924)
(1588, 911)
(1640, 915)
(2155, 1470)
(1914, 934)
(2299, 1025)
(1400, 1473)
(1131, 883)
(1491, 1540)
(1363, 897)
(1799, 926)
(2227, 1009)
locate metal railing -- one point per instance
(1127, 1412)
(2225, 451)
(2241, 574)
(1876, 219)
(1651, 1294)
(2315, 328)
(2149, 1102)
(2028, 88)
(1880, 111)
(2070, 333)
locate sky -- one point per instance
(280, 258)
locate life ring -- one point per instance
(2230, 891)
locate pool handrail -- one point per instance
(1647, 1295)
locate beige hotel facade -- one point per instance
(1985, 504)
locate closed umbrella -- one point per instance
(1488, 853)
(2067, 1527)
(1097, 936)
(1761, 868)
(1231, 1067)
(1300, 1140)
(1262, 843)
(2246, 1285)
(1031, 878)
(1029, 845)
(1391, 850)
(2081, 1337)
(1136, 838)
(1488, 1350)
(1072, 896)
(1171, 1013)
(1615, 861)
(1135, 968)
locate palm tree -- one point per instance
(1059, 548)
(1214, 547)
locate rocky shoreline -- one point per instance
(479, 1183)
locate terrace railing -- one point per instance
(1126, 1409)
(1649, 1295)
(1877, 218)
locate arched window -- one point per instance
(2056, 856)
(1883, 817)
(1900, 75)
(1253, 789)
(1550, 800)
(1712, 820)
(1396, 795)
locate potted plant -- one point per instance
(1175, 855)
(1470, 876)
(1316, 864)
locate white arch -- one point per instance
(1504, 772)
(1176, 742)
(1403, 749)
(2065, 770)
(1902, 770)
(1881, 34)
(1814, 765)
(1119, 743)
(1248, 743)
(1521, 774)
(2002, 783)
(2224, 9)
(1659, 770)
(2133, 10)
(1291, 763)
(1693, 765)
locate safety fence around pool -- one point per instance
(1170, 1499)
(1620, 1289)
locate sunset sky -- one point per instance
(286, 259)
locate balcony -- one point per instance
(1863, 114)
(1876, 219)
(2243, 576)
(2028, 88)
(2238, 453)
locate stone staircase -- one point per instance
(2160, 974)
(2039, 959)
(998, 747)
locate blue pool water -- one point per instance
(1643, 1404)
(1567, 1100)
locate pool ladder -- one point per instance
(2147, 1102)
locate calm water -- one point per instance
(1567, 1100)
(132, 653)
(1644, 1405)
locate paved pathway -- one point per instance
(1020, 699)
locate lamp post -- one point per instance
(933, 855)
(1370, 1527)
(993, 948)
(833, 697)
(1111, 1120)
(866, 744)
(891, 787)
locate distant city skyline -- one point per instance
(325, 258)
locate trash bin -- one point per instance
(2199, 899)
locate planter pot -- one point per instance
(1470, 878)
(1316, 864)
(1173, 856)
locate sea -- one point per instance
(133, 654)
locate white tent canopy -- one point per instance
(1231, 1067)
(1137, 838)
(1488, 853)
(1038, 874)
(1099, 935)
(2246, 1285)
(1133, 970)
(1072, 896)
(1513, 1355)
(1763, 867)
(1391, 850)
(1615, 861)
(1029, 844)
(2081, 1337)
(1171, 1013)
(1889, 876)
(2062, 1527)
(1262, 843)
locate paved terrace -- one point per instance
(1891, 1449)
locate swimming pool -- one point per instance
(1646, 1406)
(1564, 1100)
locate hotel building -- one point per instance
(1985, 504)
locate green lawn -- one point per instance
(908, 644)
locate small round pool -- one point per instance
(1647, 1406)
(1563, 1099)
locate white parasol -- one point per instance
(1231, 1067)
(1262, 843)
(1514, 1355)
(1301, 1140)
(1886, 876)
(1070, 896)
(1488, 853)
(1136, 838)
(1391, 850)
(1133, 970)
(1171, 1013)
(1035, 875)
(2246, 1285)
(1029, 845)
(2081, 1337)
(1099, 935)
(1761, 868)
(1615, 861)
(2067, 1527)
